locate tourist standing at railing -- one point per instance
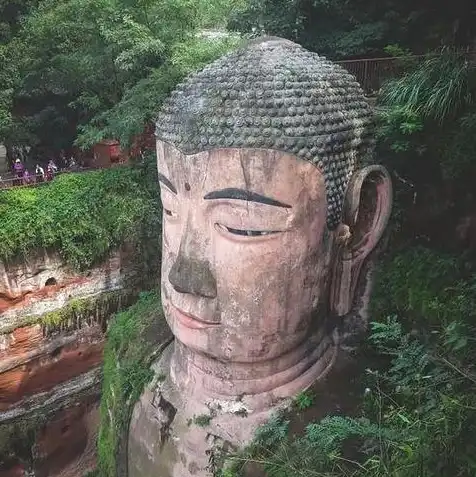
(26, 179)
(51, 170)
(52, 166)
(40, 173)
(18, 168)
(49, 174)
(72, 163)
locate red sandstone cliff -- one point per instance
(52, 333)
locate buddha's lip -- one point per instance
(191, 321)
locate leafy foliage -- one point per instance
(437, 90)
(17, 439)
(426, 138)
(304, 400)
(418, 284)
(82, 216)
(458, 153)
(426, 113)
(134, 338)
(341, 28)
(11, 14)
(100, 67)
(141, 102)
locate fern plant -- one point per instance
(304, 400)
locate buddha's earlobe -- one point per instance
(367, 208)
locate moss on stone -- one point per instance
(89, 310)
(95, 309)
(202, 420)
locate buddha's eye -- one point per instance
(246, 232)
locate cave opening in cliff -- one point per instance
(51, 282)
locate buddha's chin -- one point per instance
(213, 343)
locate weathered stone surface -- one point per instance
(64, 395)
(47, 362)
(167, 439)
(16, 470)
(20, 341)
(66, 446)
(275, 94)
(66, 437)
(32, 361)
(43, 284)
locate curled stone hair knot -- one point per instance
(274, 94)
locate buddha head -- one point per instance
(270, 206)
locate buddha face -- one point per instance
(246, 250)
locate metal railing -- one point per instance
(371, 73)
(36, 180)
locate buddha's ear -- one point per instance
(367, 207)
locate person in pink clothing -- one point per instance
(26, 178)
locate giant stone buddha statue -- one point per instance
(271, 207)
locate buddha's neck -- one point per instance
(258, 382)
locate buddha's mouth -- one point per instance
(191, 321)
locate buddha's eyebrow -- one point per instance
(241, 194)
(167, 183)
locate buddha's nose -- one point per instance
(191, 271)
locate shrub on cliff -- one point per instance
(83, 216)
(427, 132)
(135, 338)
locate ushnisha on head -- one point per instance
(268, 213)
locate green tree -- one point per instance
(76, 61)
(11, 13)
(340, 28)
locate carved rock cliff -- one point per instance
(52, 333)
